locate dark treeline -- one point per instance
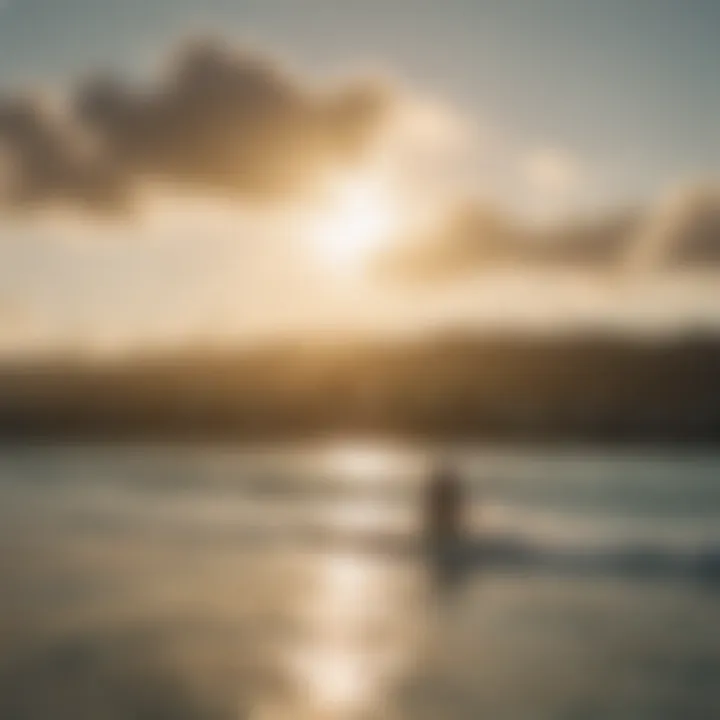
(564, 388)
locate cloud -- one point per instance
(468, 238)
(472, 238)
(551, 182)
(42, 161)
(682, 230)
(551, 171)
(221, 121)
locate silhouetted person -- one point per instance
(443, 505)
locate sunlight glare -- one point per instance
(359, 218)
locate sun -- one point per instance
(358, 219)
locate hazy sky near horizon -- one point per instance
(615, 101)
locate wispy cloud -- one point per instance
(681, 230)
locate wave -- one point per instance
(511, 540)
(493, 552)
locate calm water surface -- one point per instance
(164, 583)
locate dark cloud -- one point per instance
(220, 121)
(597, 242)
(44, 161)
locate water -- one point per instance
(165, 583)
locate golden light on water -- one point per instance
(359, 461)
(336, 670)
(366, 465)
(352, 647)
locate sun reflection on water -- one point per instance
(352, 640)
(366, 462)
(343, 660)
(334, 669)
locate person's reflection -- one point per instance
(444, 525)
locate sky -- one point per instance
(557, 109)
